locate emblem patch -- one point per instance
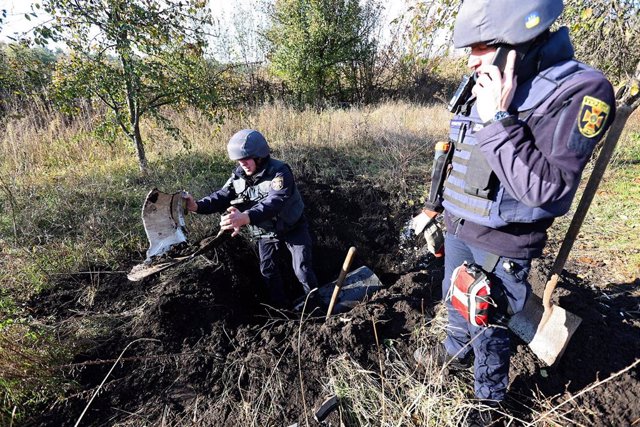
(532, 20)
(592, 117)
(277, 183)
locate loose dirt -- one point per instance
(201, 348)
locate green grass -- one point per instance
(614, 224)
(609, 237)
(29, 353)
(76, 200)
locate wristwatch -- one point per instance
(500, 115)
(504, 117)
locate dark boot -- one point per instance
(314, 302)
(484, 416)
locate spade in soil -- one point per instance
(163, 219)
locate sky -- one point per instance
(15, 20)
(226, 11)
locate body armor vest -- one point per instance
(472, 191)
(251, 194)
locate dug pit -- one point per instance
(201, 348)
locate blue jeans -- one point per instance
(490, 345)
(298, 242)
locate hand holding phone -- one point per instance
(496, 84)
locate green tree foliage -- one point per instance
(324, 49)
(605, 34)
(430, 30)
(136, 56)
(25, 74)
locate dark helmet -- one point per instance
(511, 22)
(247, 143)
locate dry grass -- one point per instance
(70, 201)
(401, 395)
(607, 246)
(48, 147)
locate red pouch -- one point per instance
(470, 294)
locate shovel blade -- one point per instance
(147, 269)
(546, 340)
(358, 285)
(141, 271)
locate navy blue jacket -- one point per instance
(273, 202)
(539, 161)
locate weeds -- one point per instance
(27, 354)
(70, 201)
(400, 394)
(411, 397)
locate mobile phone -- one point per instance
(463, 93)
(500, 58)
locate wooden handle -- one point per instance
(548, 290)
(341, 277)
(606, 152)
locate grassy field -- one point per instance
(609, 235)
(70, 202)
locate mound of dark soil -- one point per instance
(194, 345)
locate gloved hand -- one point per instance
(430, 223)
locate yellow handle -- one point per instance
(343, 273)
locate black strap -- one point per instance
(490, 262)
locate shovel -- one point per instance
(545, 327)
(343, 273)
(145, 269)
(349, 289)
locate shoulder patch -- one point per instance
(592, 116)
(277, 183)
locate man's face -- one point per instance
(481, 54)
(248, 165)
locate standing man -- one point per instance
(520, 139)
(262, 195)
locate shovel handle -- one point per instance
(548, 290)
(600, 166)
(343, 273)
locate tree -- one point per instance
(25, 73)
(324, 49)
(430, 29)
(135, 56)
(605, 34)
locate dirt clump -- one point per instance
(195, 345)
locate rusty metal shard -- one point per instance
(163, 219)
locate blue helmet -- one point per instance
(247, 143)
(511, 22)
